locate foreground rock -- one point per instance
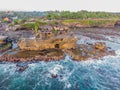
(20, 67)
(100, 46)
(84, 52)
(41, 55)
(65, 42)
(81, 52)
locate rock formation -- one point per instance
(4, 44)
(83, 52)
(55, 42)
(23, 56)
(100, 45)
(117, 23)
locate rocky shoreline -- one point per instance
(23, 56)
(77, 52)
(37, 58)
(4, 44)
(81, 52)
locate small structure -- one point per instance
(6, 19)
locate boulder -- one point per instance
(21, 67)
(100, 45)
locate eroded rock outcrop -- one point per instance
(79, 52)
(3, 39)
(100, 45)
(57, 42)
(83, 52)
(40, 55)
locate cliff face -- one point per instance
(38, 44)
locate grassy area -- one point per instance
(33, 25)
(90, 23)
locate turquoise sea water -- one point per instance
(102, 74)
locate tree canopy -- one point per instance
(81, 15)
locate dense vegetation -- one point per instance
(34, 20)
(81, 15)
(21, 15)
(35, 25)
(90, 23)
(61, 15)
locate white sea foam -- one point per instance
(32, 65)
(55, 69)
(67, 85)
(113, 38)
(117, 52)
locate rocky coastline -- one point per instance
(81, 52)
(26, 50)
(4, 44)
(85, 52)
(37, 58)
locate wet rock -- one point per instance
(54, 75)
(95, 51)
(100, 45)
(41, 55)
(21, 67)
